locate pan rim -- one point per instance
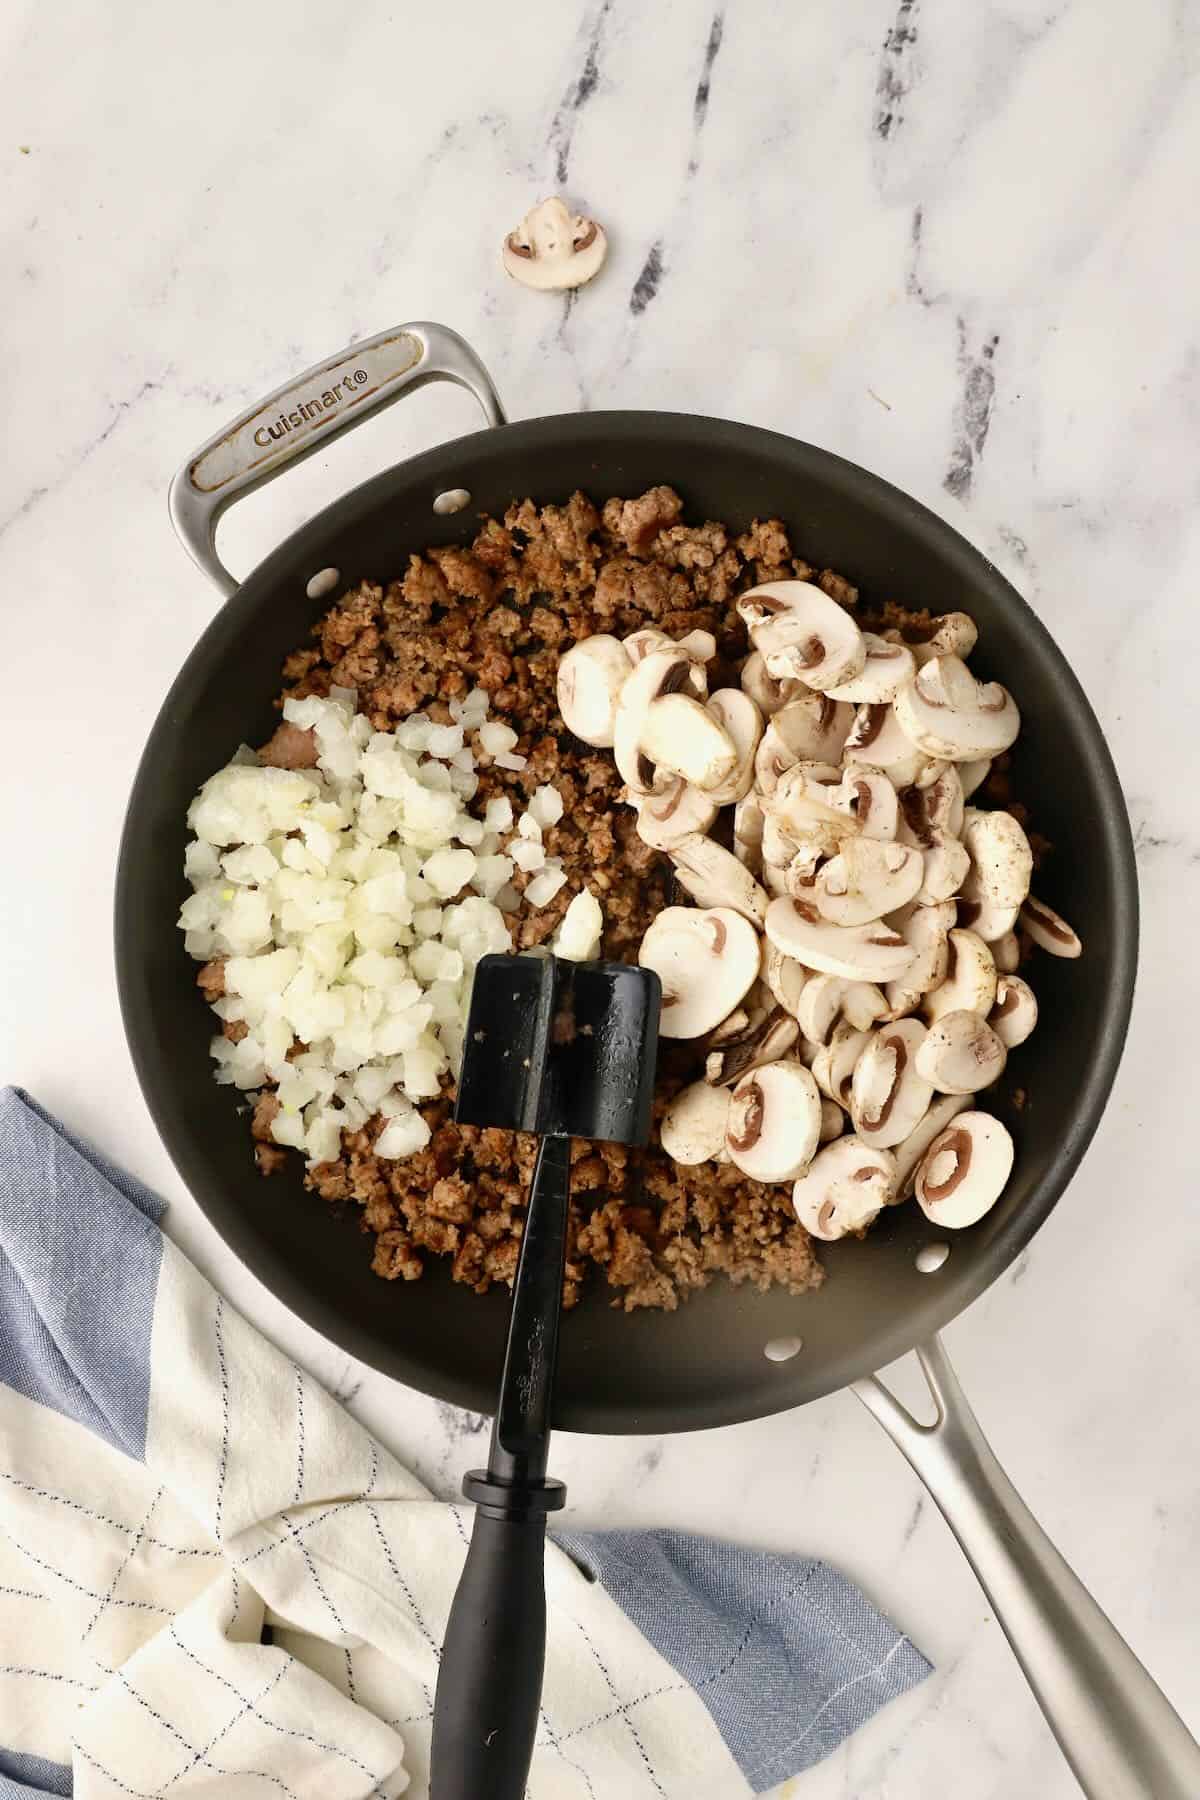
(938, 1302)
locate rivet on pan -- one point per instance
(782, 1349)
(930, 1257)
(452, 501)
(322, 583)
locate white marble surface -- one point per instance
(952, 243)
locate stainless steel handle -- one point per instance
(309, 412)
(1116, 1728)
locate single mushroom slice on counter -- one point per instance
(908, 1154)
(680, 734)
(1015, 1013)
(926, 929)
(742, 723)
(970, 984)
(954, 634)
(748, 821)
(846, 1187)
(889, 1095)
(554, 248)
(948, 714)
(868, 797)
(834, 1064)
(666, 819)
(1047, 930)
(861, 952)
(706, 959)
(960, 1054)
(661, 671)
(763, 1041)
(802, 634)
(866, 879)
(713, 876)
(768, 694)
(693, 1126)
(774, 1121)
(590, 678)
(876, 739)
(786, 978)
(886, 669)
(964, 1171)
(833, 1120)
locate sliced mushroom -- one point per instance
(714, 877)
(862, 1004)
(833, 1120)
(866, 879)
(970, 984)
(786, 978)
(1006, 953)
(908, 1154)
(926, 930)
(639, 644)
(953, 635)
(681, 735)
(861, 952)
(774, 1121)
(767, 694)
(764, 1041)
(748, 820)
(964, 1171)
(932, 805)
(821, 1006)
(811, 729)
(742, 723)
(845, 1189)
(868, 797)
(693, 1126)
(706, 959)
(802, 634)
(554, 248)
(973, 774)
(666, 819)
(877, 739)
(1015, 1013)
(1001, 868)
(1048, 931)
(803, 806)
(700, 645)
(886, 669)
(834, 1064)
(732, 1027)
(961, 1054)
(945, 864)
(590, 678)
(890, 1095)
(660, 671)
(948, 714)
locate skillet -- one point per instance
(705, 1365)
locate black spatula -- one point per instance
(565, 1050)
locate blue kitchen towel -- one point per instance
(212, 1578)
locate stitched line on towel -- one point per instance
(234, 1719)
(128, 1557)
(398, 1578)
(618, 1712)
(305, 1737)
(24, 1593)
(299, 1439)
(766, 1763)
(121, 1525)
(608, 1681)
(304, 1526)
(87, 1592)
(311, 1566)
(223, 1464)
(46, 1675)
(370, 1487)
(198, 1756)
(560, 1752)
(350, 1676)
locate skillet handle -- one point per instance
(307, 413)
(1116, 1728)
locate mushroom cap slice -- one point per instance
(821, 1005)
(804, 802)
(700, 645)
(639, 644)
(845, 1188)
(590, 678)
(970, 983)
(889, 1095)
(802, 634)
(860, 952)
(763, 1041)
(834, 1065)
(1006, 953)
(926, 930)
(1001, 859)
(768, 694)
(868, 797)
(987, 920)
(1048, 930)
(932, 805)
(887, 668)
(693, 1127)
(908, 1154)
(666, 819)
(660, 671)
(964, 1171)
(554, 248)
(748, 823)
(960, 1054)
(867, 879)
(786, 978)
(706, 959)
(948, 714)
(774, 1121)
(833, 1120)
(953, 635)
(862, 1004)
(876, 738)
(945, 864)
(811, 728)
(713, 876)
(742, 723)
(973, 774)
(680, 734)
(1015, 1013)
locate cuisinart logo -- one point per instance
(308, 410)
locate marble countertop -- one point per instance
(948, 243)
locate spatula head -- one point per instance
(561, 1047)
